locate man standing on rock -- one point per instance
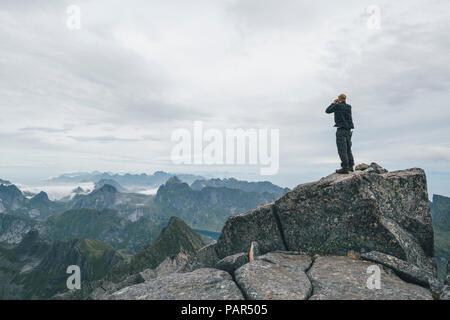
(344, 123)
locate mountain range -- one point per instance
(231, 183)
(209, 207)
(13, 201)
(203, 208)
(126, 180)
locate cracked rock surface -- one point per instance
(275, 276)
(342, 278)
(231, 263)
(201, 284)
(407, 271)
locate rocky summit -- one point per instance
(363, 235)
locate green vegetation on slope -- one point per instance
(105, 225)
(36, 269)
(94, 258)
(175, 237)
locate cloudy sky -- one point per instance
(108, 96)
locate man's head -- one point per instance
(342, 97)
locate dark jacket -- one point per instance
(342, 114)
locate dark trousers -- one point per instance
(344, 146)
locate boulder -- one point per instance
(231, 263)
(102, 291)
(362, 211)
(201, 284)
(206, 257)
(362, 167)
(342, 278)
(377, 168)
(275, 276)
(241, 230)
(373, 167)
(171, 264)
(291, 259)
(405, 270)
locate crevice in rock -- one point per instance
(239, 287)
(311, 292)
(280, 229)
(381, 216)
(408, 278)
(413, 251)
(403, 275)
(279, 226)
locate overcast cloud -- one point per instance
(108, 96)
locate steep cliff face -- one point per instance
(12, 197)
(13, 227)
(440, 211)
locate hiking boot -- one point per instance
(351, 169)
(342, 171)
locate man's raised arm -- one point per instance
(330, 108)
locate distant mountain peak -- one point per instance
(107, 188)
(11, 197)
(102, 182)
(173, 180)
(176, 237)
(78, 190)
(176, 222)
(232, 183)
(11, 188)
(41, 197)
(6, 182)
